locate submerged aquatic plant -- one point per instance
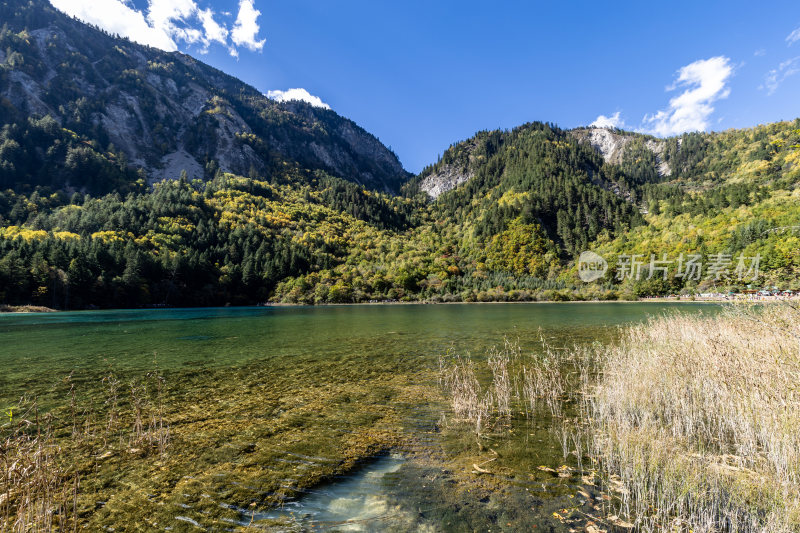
(44, 456)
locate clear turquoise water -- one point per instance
(58, 342)
(37, 351)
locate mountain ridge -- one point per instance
(167, 111)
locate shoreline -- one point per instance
(649, 300)
(26, 309)
(33, 309)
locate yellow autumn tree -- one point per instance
(522, 249)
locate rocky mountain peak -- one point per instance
(612, 145)
(168, 112)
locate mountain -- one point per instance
(537, 197)
(535, 173)
(297, 204)
(84, 110)
(726, 195)
(460, 161)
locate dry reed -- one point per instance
(693, 421)
(516, 384)
(700, 420)
(37, 493)
(40, 478)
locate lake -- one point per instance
(295, 418)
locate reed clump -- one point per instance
(507, 383)
(458, 377)
(45, 456)
(693, 422)
(699, 421)
(37, 491)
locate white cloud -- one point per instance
(705, 82)
(246, 29)
(165, 15)
(760, 52)
(297, 94)
(776, 76)
(614, 121)
(116, 17)
(213, 31)
(166, 23)
(793, 37)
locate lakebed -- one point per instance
(296, 418)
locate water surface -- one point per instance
(266, 405)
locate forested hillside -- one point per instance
(732, 193)
(512, 232)
(228, 240)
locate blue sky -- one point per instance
(422, 75)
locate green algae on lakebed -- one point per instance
(260, 405)
(245, 439)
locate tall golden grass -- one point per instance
(700, 421)
(692, 421)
